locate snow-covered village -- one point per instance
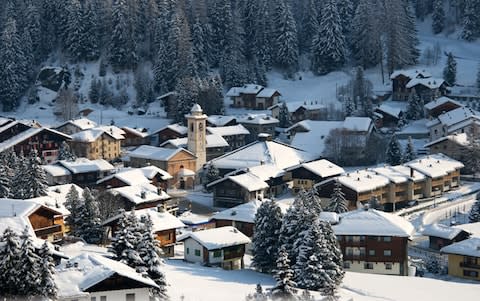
(243, 150)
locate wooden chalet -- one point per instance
(224, 246)
(440, 106)
(298, 111)
(135, 137)
(373, 241)
(401, 78)
(464, 258)
(305, 175)
(454, 146)
(141, 196)
(131, 176)
(168, 132)
(258, 125)
(71, 127)
(251, 96)
(440, 235)
(234, 135)
(85, 172)
(11, 128)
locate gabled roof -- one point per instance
(257, 119)
(130, 176)
(241, 213)
(441, 101)
(246, 180)
(56, 170)
(293, 106)
(160, 220)
(373, 222)
(81, 123)
(262, 152)
(136, 132)
(442, 231)
(213, 140)
(180, 129)
(322, 168)
(431, 83)
(457, 116)
(461, 139)
(217, 238)
(473, 228)
(246, 89)
(390, 110)
(358, 124)
(151, 171)
(156, 153)
(267, 93)
(363, 180)
(220, 120)
(436, 165)
(467, 247)
(228, 130)
(140, 193)
(27, 134)
(93, 134)
(83, 165)
(411, 74)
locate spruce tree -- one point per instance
(200, 47)
(28, 267)
(309, 26)
(124, 244)
(75, 30)
(285, 38)
(415, 107)
(5, 182)
(89, 218)
(10, 277)
(123, 48)
(409, 154)
(338, 203)
(48, 287)
(72, 203)
(20, 181)
(438, 17)
(65, 153)
(267, 224)
(474, 215)
(450, 70)
(213, 173)
(328, 46)
(471, 21)
(36, 177)
(284, 116)
(394, 153)
(285, 286)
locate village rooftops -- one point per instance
(267, 93)
(81, 123)
(246, 89)
(257, 119)
(93, 134)
(84, 165)
(220, 120)
(455, 117)
(160, 220)
(473, 228)
(399, 174)
(129, 176)
(151, 171)
(373, 223)
(213, 140)
(467, 247)
(442, 231)
(155, 153)
(228, 130)
(246, 180)
(461, 139)
(245, 212)
(390, 109)
(141, 193)
(177, 128)
(436, 165)
(293, 106)
(431, 83)
(363, 180)
(322, 168)
(218, 238)
(137, 132)
(411, 74)
(441, 101)
(9, 143)
(55, 170)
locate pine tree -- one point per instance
(415, 108)
(91, 38)
(474, 215)
(394, 153)
(284, 116)
(450, 70)
(328, 46)
(36, 177)
(65, 153)
(89, 219)
(123, 48)
(338, 203)
(124, 244)
(409, 154)
(309, 26)
(285, 38)
(199, 41)
(9, 258)
(267, 224)
(438, 17)
(75, 30)
(285, 287)
(345, 10)
(471, 20)
(312, 202)
(213, 173)
(28, 267)
(20, 181)
(48, 287)
(72, 203)
(5, 182)
(187, 94)
(94, 92)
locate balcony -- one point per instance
(47, 231)
(470, 265)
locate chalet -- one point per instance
(261, 152)
(178, 162)
(440, 106)
(472, 228)
(387, 115)
(135, 137)
(169, 102)
(132, 176)
(140, 196)
(168, 132)
(216, 145)
(164, 226)
(196, 222)
(99, 278)
(224, 246)
(11, 128)
(461, 120)
(440, 235)
(298, 110)
(464, 258)
(221, 120)
(57, 175)
(235, 135)
(98, 143)
(420, 82)
(86, 172)
(305, 175)
(454, 146)
(374, 242)
(257, 124)
(253, 96)
(71, 127)
(46, 141)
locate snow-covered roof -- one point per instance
(151, 171)
(411, 73)
(140, 193)
(137, 132)
(398, 174)
(156, 153)
(314, 140)
(228, 130)
(472, 228)
(455, 117)
(247, 180)
(220, 120)
(293, 106)
(440, 101)
(4, 121)
(83, 165)
(461, 139)
(196, 108)
(363, 180)
(322, 168)
(442, 231)
(431, 83)
(27, 134)
(267, 93)
(332, 217)
(213, 140)
(56, 170)
(257, 119)
(467, 247)
(247, 89)
(390, 110)
(81, 123)
(130, 176)
(218, 238)
(56, 197)
(113, 131)
(190, 218)
(266, 172)
(21, 208)
(358, 124)
(373, 222)
(161, 220)
(405, 170)
(241, 213)
(436, 165)
(178, 128)
(185, 172)
(263, 152)
(93, 134)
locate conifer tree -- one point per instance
(5, 183)
(75, 30)
(36, 177)
(285, 38)
(72, 203)
(438, 17)
(338, 203)
(89, 218)
(213, 173)
(474, 215)
(309, 26)
(471, 21)
(200, 47)
(48, 287)
(478, 79)
(9, 258)
(268, 221)
(285, 286)
(124, 245)
(284, 116)
(65, 153)
(20, 181)
(123, 48)
(328, 46)
(415, 108)
(409, 154)
(94, 92)
(450, 70)
(394, 153)
(28, 267)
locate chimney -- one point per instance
(160, 208)
(411, 172)
(143, 195)
(264, 137)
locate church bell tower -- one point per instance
(197, 142)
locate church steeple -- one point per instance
(197, 142)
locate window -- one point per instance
(217, 253)
(103, 298)
(346, 265)
(368, 266)
(469, 273)
(387, 238)
(388, 266)
(387, 252)
(197, 252)
(371, 252)
(188, 250)
(93, 299)
(130, 297)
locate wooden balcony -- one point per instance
(470, 265)
(47, 231)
